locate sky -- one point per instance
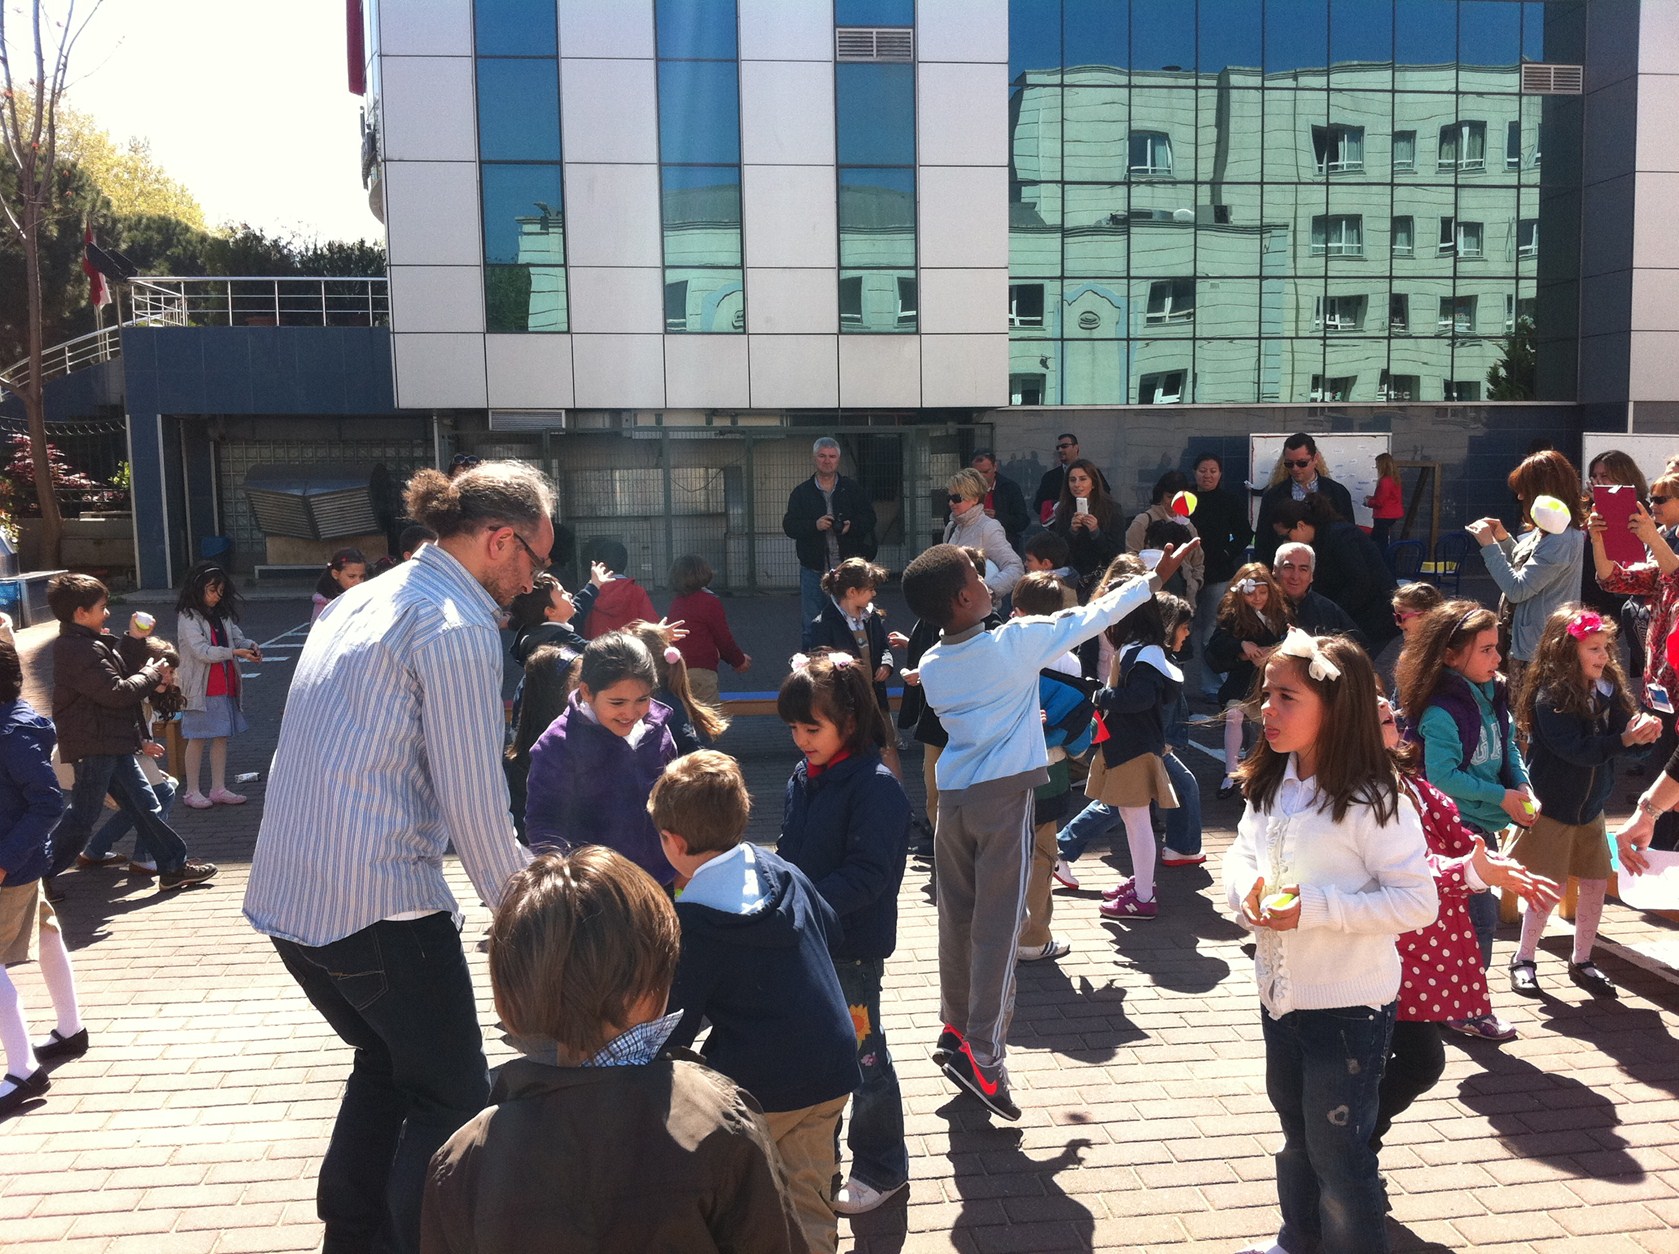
(245, 103)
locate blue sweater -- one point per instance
(30, 801)
(1572, 759)
(1148, 686)
(763, 976)
(847, 830)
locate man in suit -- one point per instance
(1004, 500)
(1049, 487)
(1300, 457)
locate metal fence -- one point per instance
(258, 301)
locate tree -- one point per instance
(1514, 377)
(29, 133)
(127, 174)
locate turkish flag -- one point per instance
(98, 291)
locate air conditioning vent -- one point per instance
(874, 43)
(1540, 78)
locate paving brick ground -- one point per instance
(197, 1121)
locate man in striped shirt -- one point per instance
(390, 752)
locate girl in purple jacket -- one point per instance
(593, 769)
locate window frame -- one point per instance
(1339, 222)
(1410, 235)
(1331, 139)
(1020, 319)
(1462, 132)
(1160, 396)
(1410, 164)
(1172, 309)
(1157, 142)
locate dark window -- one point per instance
(518, 110)
(1026, 304)
(875, 107)
(696, 28)
(699, 113)
(515, 28)
(523, 213)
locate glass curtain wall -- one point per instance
(520, 184)
(874, 132)
(1278, 200)
(699, 164)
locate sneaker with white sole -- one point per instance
(1062, 873)
(857, 1198)
(1488, 1027)
(1052, 950)
(186, 875)
(1182, 859)
(989, 1084)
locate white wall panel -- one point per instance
(428, 109)
(880, 370)
(612, 215)
(781, 30)
(1658, 106)
(964, 370)
(618, 371)
(439, 371)
(787, 112)
(606, 28)
(1654, 374)
(421, 28)
(431, 213)
(964, 216)
(529, 371)
(964, 301)
(617, 299)
(783, 301)
(609, 111)
(963, 114)
(437, 298)
(794, 372)
(789, 215)
(962, 30)
(705, 371)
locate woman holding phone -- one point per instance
(1613, 474)
(1086, 518)
(1656, 583)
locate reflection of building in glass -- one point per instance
(535, 289)
(1363, 233)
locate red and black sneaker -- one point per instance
(947, 1046)
(991, 1089)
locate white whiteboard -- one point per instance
(1351, 460)
(1649, 451)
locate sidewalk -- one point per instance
(197, 1120)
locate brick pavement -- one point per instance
(197, 1121)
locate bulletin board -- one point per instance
(1351, 460)
(1649, 451)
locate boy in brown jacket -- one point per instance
(98, 686)
(599, 1139)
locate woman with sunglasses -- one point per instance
(1087, 519)
(971, 527)
(1655, 586)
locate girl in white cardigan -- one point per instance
(212, 646)
(1327, 869)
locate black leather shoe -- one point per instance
(1588, 977)
(72, 1046)
(27, 1089)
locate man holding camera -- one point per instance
(829, 518)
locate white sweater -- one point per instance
(985, 687)
(1360, 887)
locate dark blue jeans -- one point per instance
(879, 1157)
(121, 777)
(400, 995)
(121, 823)
(811, 601)
(1323, 1073)
(1183, 825)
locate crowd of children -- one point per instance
(1373, 834)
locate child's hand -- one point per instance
(672, 632)
(599, 574)
(1520, 806)
(250, 655)
(1644, 729)
(1282, 917)
(883, 674)
(897, 640)
(912, 677)
(1174, 558)
(152, 749)
(745, 664)
(1498, 871)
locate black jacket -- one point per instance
(1571, 760)
(1352, 572)
(1008, 503)
(851, 505)
(848, 831)
(1221, 520)
(1265, 540)
(1316, 615)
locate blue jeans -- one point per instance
(1323, 1074)
(119, 825)
(879, 1157)
(399, 994)
(1483, 914)
(1183, 825)
(121, 777)
(811, 598)
(1094, 822)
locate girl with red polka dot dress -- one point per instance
(1442, 979)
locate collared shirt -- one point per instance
(389, 752)
(638, 1046)
(1302, 490)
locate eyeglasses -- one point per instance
(1659, 500)
(466, 461)
(538, 564)
(1301, 465)
(1066, 446)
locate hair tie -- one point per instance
(1248, 586)
(841, 660)
(673, 655)
(798, 661)
(1297, 644)
(1584, 623)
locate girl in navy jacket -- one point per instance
(846, 826)
(30, 805)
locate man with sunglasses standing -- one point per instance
(1300, 457)
(389, 753)
(1049, 487)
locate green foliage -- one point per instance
(74, 488)
(1515, 376)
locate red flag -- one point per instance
(356, 47)
(98, 291)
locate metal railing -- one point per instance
(170, 301)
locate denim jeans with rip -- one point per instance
(1323, 1074)
(879, 1156)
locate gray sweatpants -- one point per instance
(982, 851)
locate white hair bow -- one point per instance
(1298, 644)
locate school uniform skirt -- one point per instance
(219, 718)
(1133, 783)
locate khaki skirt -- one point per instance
(1131, 784)
(24, 910)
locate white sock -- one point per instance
(20, 1055)
(1233, 728)
(60, 982)
(1139, 835)
(1588, 912)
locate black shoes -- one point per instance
(186, 874)
(1524, 977)
(65, 1047)
(1588, 977)
(28, 1088)
(991, 1089)
(947, 1046)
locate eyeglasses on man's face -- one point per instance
(538, 564)
(1298, 465)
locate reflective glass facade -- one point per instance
(1241, 201)
(522, 192)
(699, 164)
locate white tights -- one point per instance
(1235, 725)
(1139, 835)
(1588, 913)
(61, 988)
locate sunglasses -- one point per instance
(1404, 616)
(1301, 465)
(955, 498)
(1066, 446)
(1659, 500)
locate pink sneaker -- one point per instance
(222, 797)
(1127, 906)
(1119, 889)
(196, 800)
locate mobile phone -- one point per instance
(1616, 504)
(1655, 696)
(1081, 505)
